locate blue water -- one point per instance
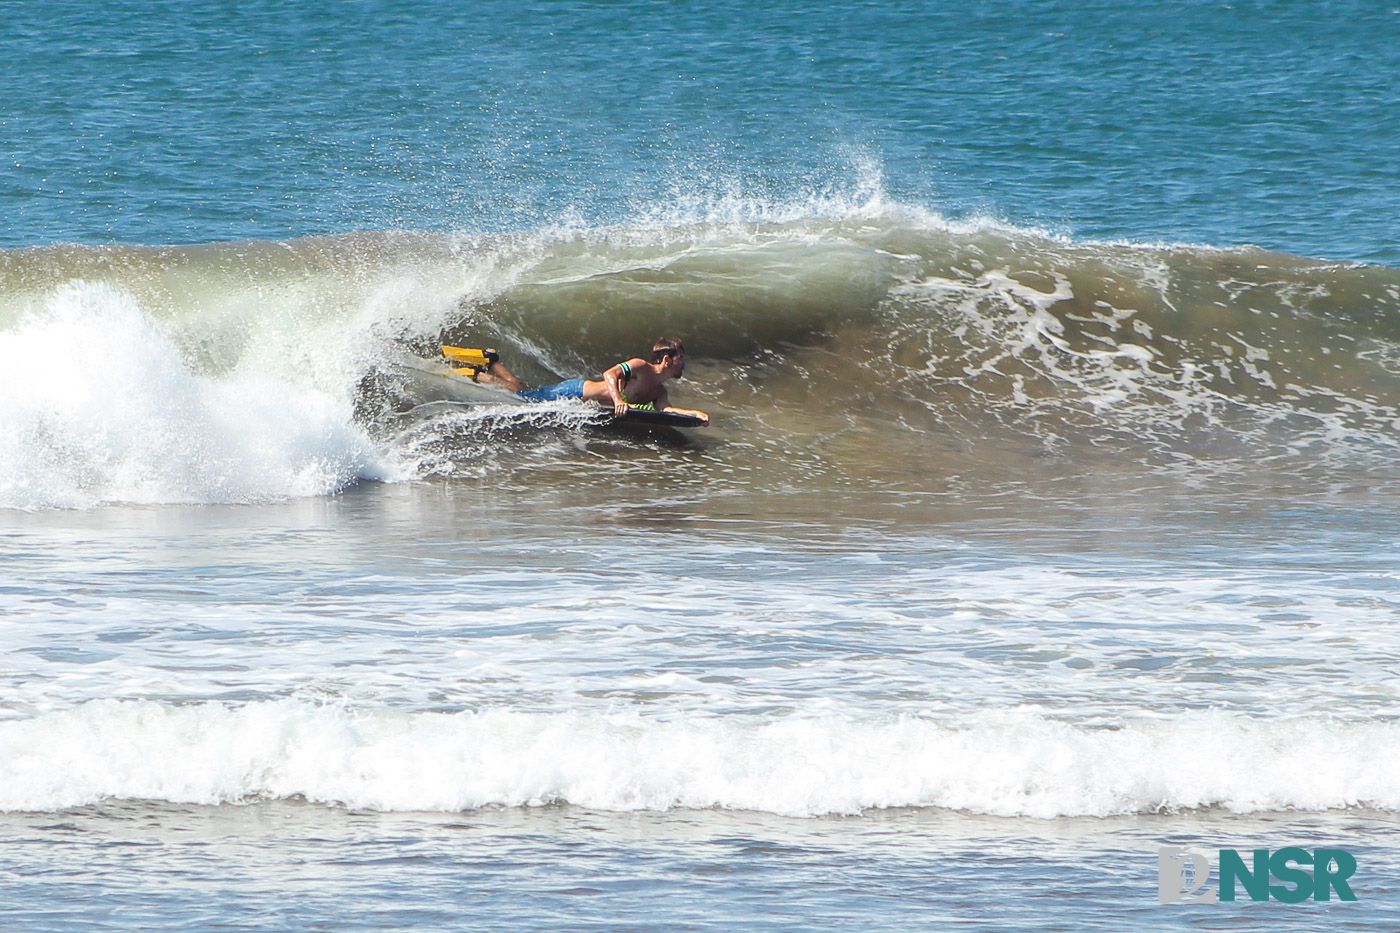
(1041, 521)
(1261, 123)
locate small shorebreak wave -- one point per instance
(234, 372)
(1009, 764)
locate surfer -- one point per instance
(633, 383)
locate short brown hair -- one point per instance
(666, 346)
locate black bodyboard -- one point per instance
(670, 419)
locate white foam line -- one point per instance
(1005, 764)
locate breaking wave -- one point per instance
(1006, 764)
(237, 371)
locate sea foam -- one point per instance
(1010, 763)
(98, 405)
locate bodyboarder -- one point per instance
(632, 383)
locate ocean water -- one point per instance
(1047, 516)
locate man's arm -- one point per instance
(663, 403)
(612, 378)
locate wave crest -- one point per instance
(1007, 764)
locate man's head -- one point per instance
(668, 352)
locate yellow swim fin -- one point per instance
(470, 356)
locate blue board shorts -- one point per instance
(573, 388)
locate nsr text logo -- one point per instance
(1181, 873)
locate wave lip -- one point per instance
(1011, 764)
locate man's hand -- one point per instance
(704, 418)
